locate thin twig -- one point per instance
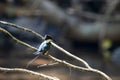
(22, 28)
(40, 36)
(32, 61)
(60, 61)
(17, 40)
(50, 64)
(44, 77)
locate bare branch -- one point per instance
(88, 69)
(32, 61)
(44, 77)
(71, 55)
(39, 36)
(21, 28)
(50, 64)
(17, 40)
(80, 68)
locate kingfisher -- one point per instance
(44, 46)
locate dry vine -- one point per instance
(87, 67)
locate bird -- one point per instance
(44, 46)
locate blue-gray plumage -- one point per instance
(44, 47)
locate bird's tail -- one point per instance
(36, 53)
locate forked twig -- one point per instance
(40, 37)
(60, 61)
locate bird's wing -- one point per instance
(42, 46)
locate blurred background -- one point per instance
(88, 29)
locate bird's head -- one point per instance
(48, 38)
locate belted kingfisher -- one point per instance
(45, 46)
